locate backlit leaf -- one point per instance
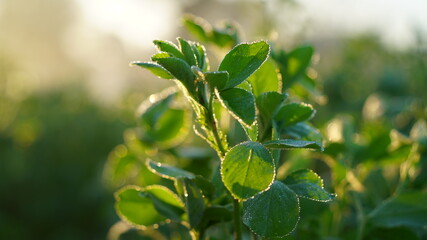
(216, 79)
(167, 171)
(243, 60)
(180, 69)
(135, 205)
(155, 69)
(247, 169)
(197, 26)
(240, 103)
(187, 50)
(169, 47)
(265, 79)
(307, 184)
(291, 144)
(292, 113)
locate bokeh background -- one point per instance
(67, 92)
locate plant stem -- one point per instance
(237, 227)
(361, 217)
(214, 127)
(222, 151)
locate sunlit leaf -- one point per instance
(198, 27)
(161, 124)
(307, 184)
(154, 68)
(169, 47)
(187, 50)
(293, 113)
(265, 79)
(297, 62)
(303, 131)
(135, 205)
(216, 79)
(180, 69)
(240, 103)
(291, 144)
(243, 60)
(247, 169)
(167, 171)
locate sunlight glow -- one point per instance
(134, 21)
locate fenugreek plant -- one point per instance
(241, 110)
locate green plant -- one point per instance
(240, 184)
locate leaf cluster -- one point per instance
(248, 86)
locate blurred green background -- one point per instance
(67, 93)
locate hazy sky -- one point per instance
(394, 20)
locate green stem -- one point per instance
(222, 152)
(237, 227)
(214, 126)
(361, 217)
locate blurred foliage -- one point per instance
(51, 155)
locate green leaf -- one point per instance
(216, 79)
(291, 144)
(252, 131)
(408, 209)
(169, 47)
(243, 60)
(240, 103)
(265, 79)
(297, 62)
(307, 184)
(161, 124)
(154, 68)
(247, 169)
(187, 50)
(172, 127)
(303, 131)
(151, 110)
(273, 213)
(161, 55)
(180, 70)
(197, 26)
(165, 202)
(217, 213)
(200, 53)
(167, 171)
(245, 85)
(135, 205)
(194, 202)
(225, 37)
(293, 113)
(207, 188)
(216, 180)
(267, 104)
(121, 166)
